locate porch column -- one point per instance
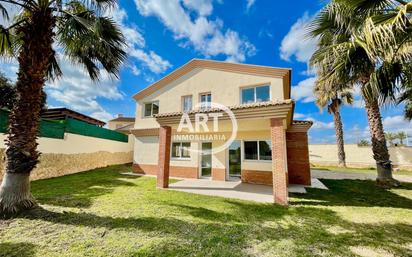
(165, 133)
(279, 161)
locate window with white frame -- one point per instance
(255, 94)
(187, 103)
(151, 109)
(205, 100)
(260, 150)
(181, 150)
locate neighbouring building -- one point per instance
(121, 124)
(269, 148)
(64, 113)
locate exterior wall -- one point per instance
(358, 156)
(113, 125)
(224, 87)
(146, 160)
(74, 154)
(75, 144)
(298, 158)
(257, 177)
(175, 171)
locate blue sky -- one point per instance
(163, 35)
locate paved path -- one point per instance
(326, 174)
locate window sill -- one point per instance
(180, 159)
(268, 161)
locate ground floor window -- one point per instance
(180, 150)
(258, 150)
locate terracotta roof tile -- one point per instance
(235, 107)
(302, 122)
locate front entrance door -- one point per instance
(206, 160)
(235, 159)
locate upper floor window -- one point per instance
(151, 109)
(255, 94)
(205, 100)
(187, 103)
(258, 150)
(180, 150)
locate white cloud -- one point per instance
(202, 7)
(102, 115)
(76, 91)
(304, 90)
(9, 67)
(396, 124)
(151, 60)
(136, 45)
(298, 115)
(296, 43)
(249, 4)
(355, 134)
(320, 124)
(195, 29)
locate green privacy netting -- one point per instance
(57, 128)
(82, 128)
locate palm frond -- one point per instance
(368, 7)
(93, 41)
(4, 12)
(97, 5)
(6, 43)
(54, 70)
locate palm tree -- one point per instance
(388, 34)
(348, 60)
(83, 35)
(390, 137)
(401, 136)
(333, 98)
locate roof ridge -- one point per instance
(212, 64)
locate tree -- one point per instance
(388, 40)
(84, 36)
(363, 142)
(333, 98)
(7, 92)
(349, 62)
(390, 137)
(401, 136)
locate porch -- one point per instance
(235, 189)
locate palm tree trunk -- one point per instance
(379, 147)
(21, 152)
(339, 137)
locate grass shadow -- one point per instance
(17, 249)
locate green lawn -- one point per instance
(104, 213)
(358, 170)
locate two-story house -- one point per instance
(269, 147)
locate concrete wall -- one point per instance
(75, 153)
(224, 87)
(358, 156)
